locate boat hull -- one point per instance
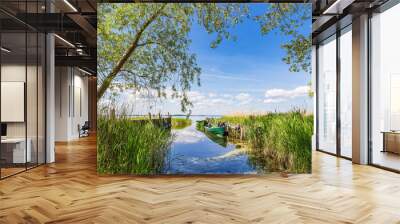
(216, 130)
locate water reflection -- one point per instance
(187, 136)
(194, 152)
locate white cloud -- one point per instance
(274, 100)
(229, 96)
(287, 93)
(196, 96)
(244, 98)
(212, 94)
(145, 101)
(281, 95)
(218, 101)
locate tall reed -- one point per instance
(128, 147)
(279, 141)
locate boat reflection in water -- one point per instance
(220, 140)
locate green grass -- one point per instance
(180, 123)
(279, 141)
(128, 147)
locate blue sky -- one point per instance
(242, 76)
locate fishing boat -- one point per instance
(216, 130)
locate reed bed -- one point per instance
(279, 141)
(128, 147)
(180, 123)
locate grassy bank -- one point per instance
(127, 147)
(180, 123)
(279, 141)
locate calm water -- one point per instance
(192, 152)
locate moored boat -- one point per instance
(216, 130)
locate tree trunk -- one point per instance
(110, 77)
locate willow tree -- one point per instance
(146, 45)
(292, 20)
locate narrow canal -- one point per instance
(194, 152)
